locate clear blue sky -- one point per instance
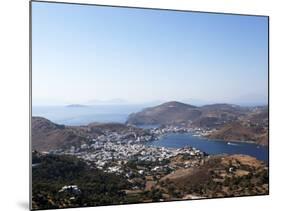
(85, 53)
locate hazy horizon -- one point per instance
(195, 102)
(94, 55)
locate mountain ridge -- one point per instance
(231, 122)
(177, 112)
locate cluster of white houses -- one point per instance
(112, 150)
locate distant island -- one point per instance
(76, 106)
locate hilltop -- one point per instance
(47, 135)
(230, 122)
(167, 113)
(180, 113)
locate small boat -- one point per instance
(230, 143)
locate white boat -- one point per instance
(230, 143)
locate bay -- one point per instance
(212, 146)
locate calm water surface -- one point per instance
(85, 115)
(212, 146)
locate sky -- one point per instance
(89, 54)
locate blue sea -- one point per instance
(212, 146)
(83, 115)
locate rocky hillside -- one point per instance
(231, 122)
(47, 135)
(180, 113)
(252, 126)
(220, 176)
(167, 113)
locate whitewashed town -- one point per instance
(111, 151)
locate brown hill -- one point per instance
(167, 113)
(237, 131)
(180, 113)
(234, 131)
(220, 176)
(47, 135)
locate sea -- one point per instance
(212, 146)
(83, 115)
